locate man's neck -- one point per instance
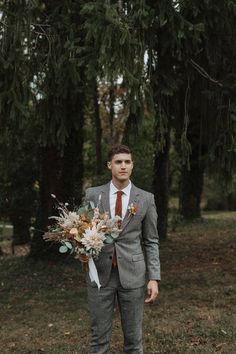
(120, 184)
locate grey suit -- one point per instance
(137, 250)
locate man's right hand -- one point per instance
(83, 258)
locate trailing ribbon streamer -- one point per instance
(93, 274)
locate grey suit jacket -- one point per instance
(137, 246)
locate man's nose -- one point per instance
(123, 165)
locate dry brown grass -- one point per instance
(44, 310)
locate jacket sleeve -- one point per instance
(90, 196)
(151, 241)
(86, 196)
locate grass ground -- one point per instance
(43, 306)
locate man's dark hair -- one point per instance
(118, 149)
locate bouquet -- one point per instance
(83, 231)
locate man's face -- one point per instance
(121, 166)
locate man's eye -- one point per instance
(127, 162)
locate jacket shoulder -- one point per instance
(95, 188)
(144, 193)
(93, 191)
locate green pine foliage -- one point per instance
(175, 64)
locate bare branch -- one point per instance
(203, 72)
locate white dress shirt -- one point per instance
(125, 199)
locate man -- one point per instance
(124, 265)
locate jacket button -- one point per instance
(110, 257)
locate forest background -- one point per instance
(79, 76)
(76, 77)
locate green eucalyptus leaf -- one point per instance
(114, 235)
(90, 214)
(92, 205)
(109, 239)
(63, 249)
(68, 245)
(82, 210)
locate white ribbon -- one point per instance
(93, 273)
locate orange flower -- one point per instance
(74, 231)
(132, 209)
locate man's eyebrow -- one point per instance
(119, 161)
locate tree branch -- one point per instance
(203, 72)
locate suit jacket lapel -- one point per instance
(134, 198)
(105, 203)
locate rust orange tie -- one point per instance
(118, 211)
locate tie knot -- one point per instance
(119, 193)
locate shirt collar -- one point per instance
(125, 190)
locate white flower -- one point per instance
(106, 216)
(96, 214)
(74, 231)
(67, 219)
(117, 218)
(92, 239)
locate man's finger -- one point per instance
(152, 297)
(149, 300)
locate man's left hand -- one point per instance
(152, 291)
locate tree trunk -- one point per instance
(21, 228)
(112, 111)
(160, 78)
(98, 131)
(50, 183)
(192, 176)
(60, 175)
(191, 186)
(73, 166)
(161, 186)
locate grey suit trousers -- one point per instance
(101, 305)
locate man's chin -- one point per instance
(123, 178)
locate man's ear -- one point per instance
(109, 165)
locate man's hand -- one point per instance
(152, 291)
(83, 258)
